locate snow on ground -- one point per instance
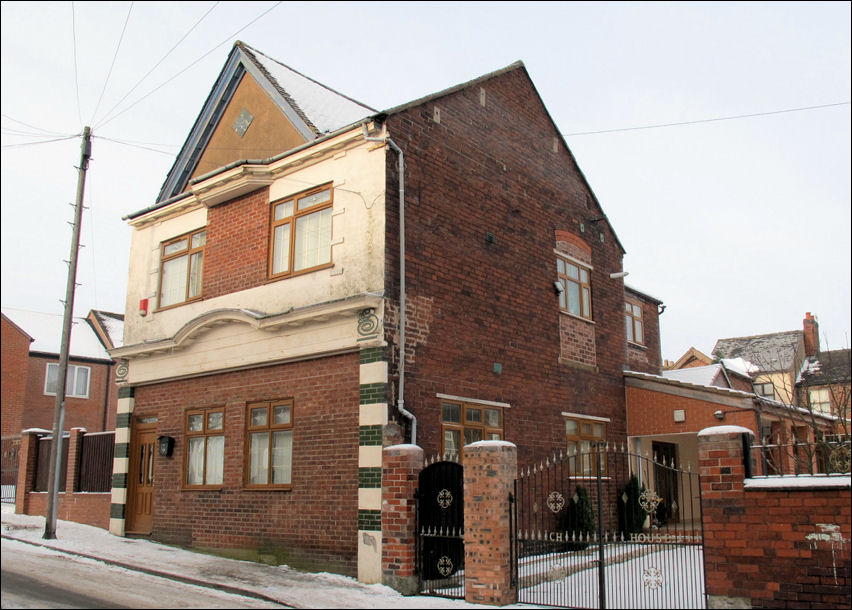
(280, 583)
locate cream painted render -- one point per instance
(294, 318)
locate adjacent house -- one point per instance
(31, 345)
(318, 279)
(778, 385)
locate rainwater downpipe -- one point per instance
(400, 403)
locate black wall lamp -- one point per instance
(166, 445)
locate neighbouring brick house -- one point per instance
(266, 309)
(777, 385)
(31, 345)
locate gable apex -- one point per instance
(309, 106)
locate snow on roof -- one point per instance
(772, 352)
(113, 325)
(327, 109)
(698, 375)
(46, 331)
(740, 366)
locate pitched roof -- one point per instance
(313, 108)
(771, 352)
(710, 375)
(46, 331)
(108, 326)
(829, 367)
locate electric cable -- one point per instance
(724, 118)
(163, 84)
(169, 52)
(112, 65)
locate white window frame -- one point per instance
(71, 380)
(820, 406)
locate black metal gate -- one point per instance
(440, 529)
(609, 529)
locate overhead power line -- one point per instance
(724, 118)
(112, 65)
(169, 52)
(164, 83)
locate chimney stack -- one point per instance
(811, 330)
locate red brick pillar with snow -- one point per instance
(401, 465)
(723, 511)
(72, 470)
(490, 470)
(27, 457)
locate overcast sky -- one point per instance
(739, 226)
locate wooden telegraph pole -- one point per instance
(59, 405)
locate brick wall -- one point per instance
(652, 413)
(491, 170)
(313, 525)
(87, 508)
(778, 547)
(15, 346)
(235, 259)
(401, 465)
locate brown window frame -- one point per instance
(270, 428)
(292, 220)
(584, 434)
(187, 252)
(206, 432)
(466, 423)
(583, 287)
(631, 319)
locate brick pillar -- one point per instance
(27, 456)
(401, 465)
(72, 470)
(490, 470)
(723, 510)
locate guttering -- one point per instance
(400, 402)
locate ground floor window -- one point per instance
(205, 448)
(582, 433)
(270, 444)
(464, 423)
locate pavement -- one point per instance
(279, 584)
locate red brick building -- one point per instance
(332, 279)
(31, 345)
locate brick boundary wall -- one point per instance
(87, 508)
(771, 543)
(401, 467)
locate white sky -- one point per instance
(739, 226)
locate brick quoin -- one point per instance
(770, 547)
(493, 170)
(313, 525)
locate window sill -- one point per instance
(285, 276)
(639, 346)
(576, 317)
(592, 368)
(202, 488)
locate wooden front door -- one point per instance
(140, 483)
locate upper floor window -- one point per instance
(576, 294)
(300, 232)
(76, 380)
(270, 448)
(181, 268)
(820, 400)
(468, 423)
(767, 390)
(205, 447)
(633, 322)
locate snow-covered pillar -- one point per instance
(490, 470)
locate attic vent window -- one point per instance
(242, 123)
